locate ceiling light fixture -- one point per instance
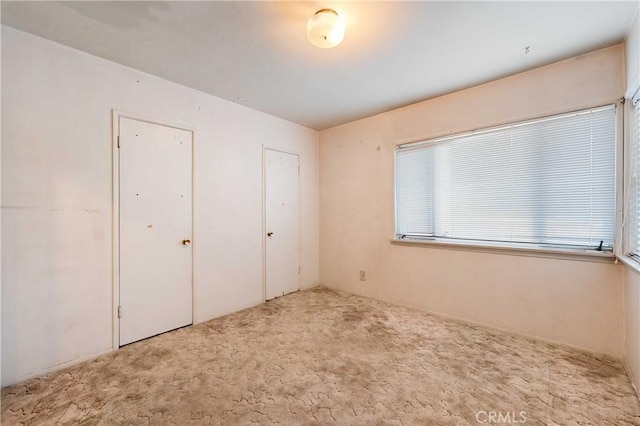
(325, 29)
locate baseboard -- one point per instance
(627, 368)
(55, 368)
(592, 353)
(309, 287)
(228, 312)
(98, 354)
(73, 362)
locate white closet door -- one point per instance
(282, 223)
(155, 229)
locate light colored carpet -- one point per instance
(321, 357)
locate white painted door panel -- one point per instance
(282, 223)
(155, 220)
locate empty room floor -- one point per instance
(324, 357)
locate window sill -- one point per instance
(630, 263)
(565, 254)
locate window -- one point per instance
(548, 182)
(632, 190)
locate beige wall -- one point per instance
(56, 198)
(577, 303)
(632, 56)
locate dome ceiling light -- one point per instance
(325, 29)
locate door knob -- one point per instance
(269, 234)
(186, 242)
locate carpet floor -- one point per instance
(323, 357)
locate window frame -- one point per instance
(627, 255)
(525, 249)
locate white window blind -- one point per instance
(632, 218)
(546, 182)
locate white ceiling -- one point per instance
(394, 53)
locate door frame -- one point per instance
(115, 230)
(264, 215)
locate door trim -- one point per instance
(115, 213)
(264, 215)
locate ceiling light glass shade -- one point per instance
(325, 29)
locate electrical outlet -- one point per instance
(363, 276)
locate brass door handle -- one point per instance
(186, 242)
(269, 234)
